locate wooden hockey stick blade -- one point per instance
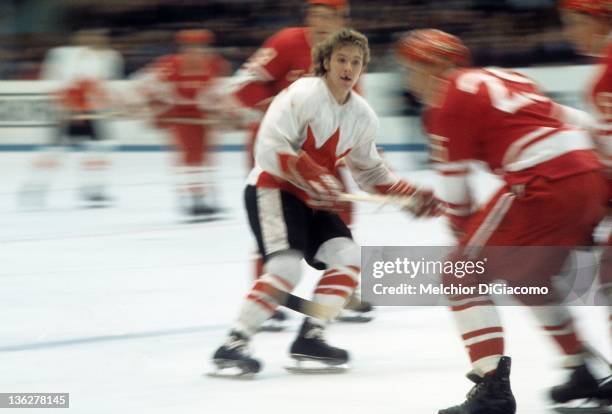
(305, 306)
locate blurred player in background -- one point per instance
(183, 91)
(292, 196)
(83, 98)
(554, 195)
(282, 59)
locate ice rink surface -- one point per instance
(123, 307)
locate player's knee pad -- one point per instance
(340, 251)
(286, 265)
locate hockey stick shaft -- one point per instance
(402, 201)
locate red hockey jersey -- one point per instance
(179, 91)
(500, 118)
(283, 58)
(600, 100)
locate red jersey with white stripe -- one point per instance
(182, 91)
(500, 118)
(283, 58)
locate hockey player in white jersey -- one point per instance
(292, 197)
(82, 72)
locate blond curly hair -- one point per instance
(322, 52)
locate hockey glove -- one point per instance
(322, 188)
(424, 203)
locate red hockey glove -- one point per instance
(322, 188)
(424, 203)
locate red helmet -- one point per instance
(433, 46)
(340, 5)
(195, 37)
(592, 7)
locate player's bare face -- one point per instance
(323, 21)
(586, 33)
(343, 70)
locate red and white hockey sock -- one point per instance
(260, 303)
(189, 180)
(336, 285)
(480, 327)
(95, 164)
(44, 167)
(559, 324)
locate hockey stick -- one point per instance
(305, 306)
(403, 201)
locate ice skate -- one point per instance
(491, 394)
(95, 197)
(583, 394)
(356, 310)
(232, 359)
(200, 211)
(312, 354)
(276, 323)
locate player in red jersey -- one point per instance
(183, 89)
(553, 177)
(281, 60)
(588, 25)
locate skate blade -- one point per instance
(589, 407)
(355, 318)
(230, 371)
(273, 326)
(309, 365)
(93, 205)
(227, 375)
(204, 219)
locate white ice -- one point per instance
(123, 307)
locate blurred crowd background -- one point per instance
(509, 33)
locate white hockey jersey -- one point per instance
(82, 74)
(305, 116)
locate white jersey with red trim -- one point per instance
(83, 72)
(306, 117)
(500, 118)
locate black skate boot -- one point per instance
(581, 384)
(605, 391)
(276, 323)
(200, 210)
(582, 394)
(94, 196)
(490, 395)
(313, 355)
(234, 354)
